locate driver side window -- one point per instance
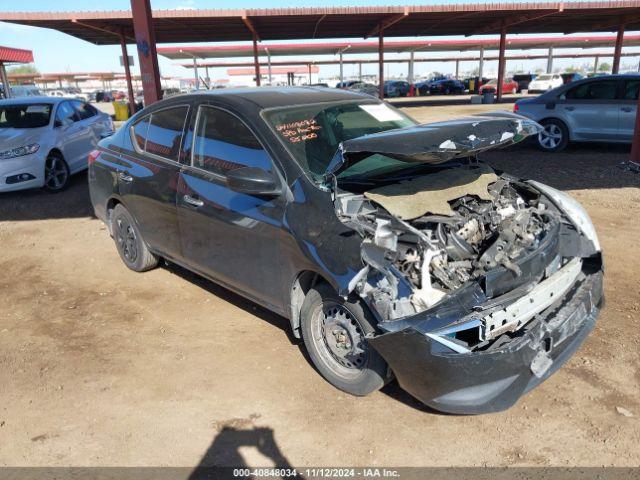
(65, 115)
(605, 90)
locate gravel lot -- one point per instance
(100, 366)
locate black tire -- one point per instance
(555, 136)
(56, 173)
(131, 247)
(357, 368)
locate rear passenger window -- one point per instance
(631, 89)
(66, 115)
(594, 91)
(84, 109)
(223, 143)
(161, 132)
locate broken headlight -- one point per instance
(576, 212)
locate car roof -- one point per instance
(31, 100)
(273, 97)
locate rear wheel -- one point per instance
(133, 251)
(554, 137)
(56, 173)
(334, 333)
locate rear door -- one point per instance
(628, 108)
(90, 134)
(229, 236)
(591, 109)
(148, 178)
(72, 135)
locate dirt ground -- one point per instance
(100, 366)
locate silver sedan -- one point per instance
(600, 109)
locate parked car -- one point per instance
(600, 109)
(570, 77)
(319, 204)
(367, 88)
(104, 96)
(545, 82)
(467, 83)
(346, 84)
(44, 140)
(508, 86)
(396, 88)
(523, 80)
(18, 91)
(446, 87)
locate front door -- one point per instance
(591, 110)
(628, 108)
(73, 134)
(229, 236)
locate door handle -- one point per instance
(125, 177)
(626, 109)
(196, 202)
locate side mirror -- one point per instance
(253, 181)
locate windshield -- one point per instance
(544, 77)
(34, 115)
(312, 133)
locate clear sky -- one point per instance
(57, 52)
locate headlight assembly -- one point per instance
(19, 151)
(576, 212)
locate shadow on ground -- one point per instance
(37, 204)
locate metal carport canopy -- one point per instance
(332, 48)
(173, 26)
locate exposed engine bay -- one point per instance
(414, 262)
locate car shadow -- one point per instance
(235, 299)
(38, 204)
(224, 452)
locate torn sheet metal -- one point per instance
(437, 142)
(432, 193)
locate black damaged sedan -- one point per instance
(391, 249)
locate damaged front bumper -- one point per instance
(492, 380)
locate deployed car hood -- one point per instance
(437, 142)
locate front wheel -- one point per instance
(334, 333)
(56, 173)
(131, 247)
(554, 137)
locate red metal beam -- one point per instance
(252, 28)
(386, 23)
(147, 55)
(381, 63)
(104, 28)
(127, 73)
(501, 62)
(256, 63)
(618, 49)
(514, 20)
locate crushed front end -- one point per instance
(483, 285)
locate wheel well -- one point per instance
(559, 121)
(302, 284)
(111, 204)
(57, 152)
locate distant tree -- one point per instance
(29, 68)
(604, 67)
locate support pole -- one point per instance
(207, 78)
(411, 65)
(635, 143)
(618, 49)
(501, 62)
(381, 63)
(5, 81)
(310, 82)
(480, 66)
(256, 63)
(457, 69)
(341, 72)
(596, 60)
(550, 60)
(360, 71)
(60, 82)
(196, 75)
(147, 54)
(269, 65)
(127, 74)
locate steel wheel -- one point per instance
(127, 240)
(550, 137)
(340, 339)
(56, 173)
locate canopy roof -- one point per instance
(333, 48)
(173, 26)
(15, 55)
